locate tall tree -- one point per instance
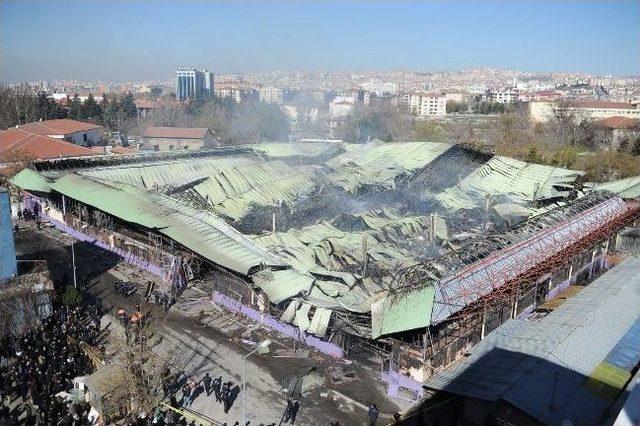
(75, 108)
(104, 105)
(128, 106)
(90, 109)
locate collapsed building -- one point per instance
(410, 252)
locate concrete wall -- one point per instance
(8, 265)
(171, 144)
(78, 138)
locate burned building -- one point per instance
(409, 253)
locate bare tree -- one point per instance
(138, 372)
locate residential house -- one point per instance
(18, 146)
(617, 132)
(175, 138)
(74, 131)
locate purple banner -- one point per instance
(397, 380)
(284, 329)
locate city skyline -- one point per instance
(259, 37)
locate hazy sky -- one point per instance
(136, 40)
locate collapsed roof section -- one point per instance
(379, 164)
(200, 231)
(229, 186)
(502, 176)
(481, 278)
(626, 188)
(354, 257)
(348, 263)
(298, 152)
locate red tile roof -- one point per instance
(176, 132)
(603, 105)
(63, 126)
(17, 144)
(618, 122)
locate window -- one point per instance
(84, 137)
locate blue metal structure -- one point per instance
(8, 264)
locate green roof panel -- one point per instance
(31, 181)
(403, 311)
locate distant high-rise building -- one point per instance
(272, 95)
(192, 83)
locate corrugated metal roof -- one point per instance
(404, 311)
(294, 149)
(200, 231)
(320, 322)
(302, 317)
(380, 163)
(626, 188)
(232, 185)
(482, 277)
(507, 176)
(282, 284)
(522, 359)
(29, 180)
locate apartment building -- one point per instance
(239, 92)
(272, 95)
(543, 111)
(426, 104)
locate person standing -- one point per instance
(206, 380)
(186, 395)
(225, 395)
(288, 411)
(217, 383)
(193, 391)
(373, 414)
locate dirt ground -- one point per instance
(217, 347)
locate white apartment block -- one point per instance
(237, 92)
(503, 96)
(543, 111)
(426, 104)
(271, 95)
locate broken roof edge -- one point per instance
(30, 180)
(625, 188)
(184, 232)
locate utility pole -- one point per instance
(273, 223)
(364, 255)
(73, 249)
(262, 348)
(73, 260)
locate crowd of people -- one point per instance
(38, 367)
